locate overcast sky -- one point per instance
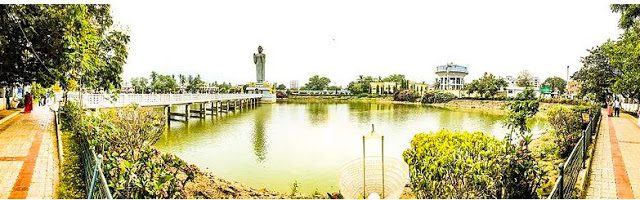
(343, 39)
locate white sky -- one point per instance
(342, 39)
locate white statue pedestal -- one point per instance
(267, 96)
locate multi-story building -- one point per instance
(383, 87)
(418, 88)
(451, 76)
(293, 85)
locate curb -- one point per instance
(8, 117)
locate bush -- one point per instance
(437, 97)
(70, 116)
(405, 95)
(133, 168)
(567, 125)
(456, 165)
(280, 94)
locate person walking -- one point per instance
(616, 107)
(609, 108)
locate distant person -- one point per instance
(638, 116)
(28, 103)
(609, 108)
(616, 107)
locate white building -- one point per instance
(293, 85)
(513, 90)
(451, 76)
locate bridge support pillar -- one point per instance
(167, 110)
(187, 112)
(228, 105)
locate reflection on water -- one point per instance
(259, 137)
(276, 144)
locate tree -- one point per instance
(59, 43)
(282, 87)
(140, 85)
(317, 83)
(596, 75)
(360, 86)
(623, 55)
(556, 83)
(195, 84)
(164, 84)
(525, 79)
(487, 86)
(629, 14)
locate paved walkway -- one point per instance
(615, 171)
(27, 156)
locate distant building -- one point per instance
(418, 88)
(513, 89)
(451, 76)
(293, 85)
(384, 87)
(127, 87)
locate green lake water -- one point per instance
(274, 145)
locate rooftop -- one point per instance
(452, 68)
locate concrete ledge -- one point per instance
(8, 117)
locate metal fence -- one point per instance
(569, 170)
(96, 183)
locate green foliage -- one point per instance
(282, 87)
(70, 117)
(405, 95)
(140, 85)
(527, 94)
(37, 91)
(487, 86)
(556, 83)
(294, 188)
(195, 84)
(164, 84)
(360, 86)
(59, 43)
(524, 79)
(462, 165)
(71, 184)
(567, 125)
(629, 14)
(317, 83)
(519, 113)
(525, 175)
(437, 96)
(623, 55)
(399, 79)
(597, 75)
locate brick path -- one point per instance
(615, 171)
(27, 156)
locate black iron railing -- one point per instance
(569, 170)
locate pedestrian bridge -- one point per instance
(97, 101)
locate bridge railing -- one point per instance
(110, 100)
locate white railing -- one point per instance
(121, 100)
(631, 107)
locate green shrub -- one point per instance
(70, 114)
(133, 168)
(449, 164)
(437, 96)
(524, 175)
(567, 125)
(71, 185)
(405, 95)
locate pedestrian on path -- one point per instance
(28, 103)
(616, 107)
(609, 108)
